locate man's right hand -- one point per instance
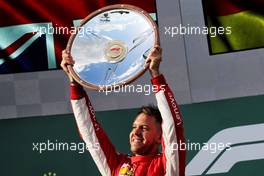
(67, 60)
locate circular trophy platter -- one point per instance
(111, 46)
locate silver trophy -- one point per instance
(111, 46)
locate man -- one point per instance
(149, 129)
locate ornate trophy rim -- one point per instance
(90, 16)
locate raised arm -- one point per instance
(97, 142)
(172, 126)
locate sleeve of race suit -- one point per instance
(97, 142)
(172, 128)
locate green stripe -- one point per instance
(247, 32)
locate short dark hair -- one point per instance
(153, 111)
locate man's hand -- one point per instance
(153, 61)
(67, 60)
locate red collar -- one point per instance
(142, 158)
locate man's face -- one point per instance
(145, 135)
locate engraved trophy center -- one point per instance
(115, 51)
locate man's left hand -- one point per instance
(153, 61)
